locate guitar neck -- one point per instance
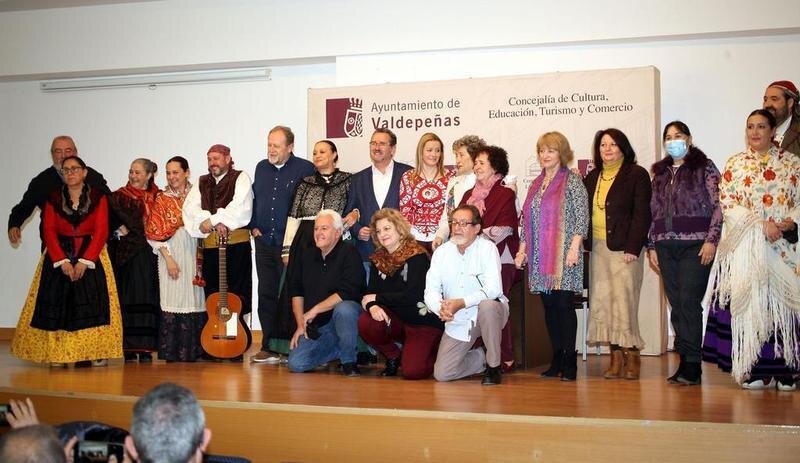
(223, 275)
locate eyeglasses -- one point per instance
(67, 151)
(461, 223)
(70, 170)
(380, 144)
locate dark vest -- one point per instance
(214, 195)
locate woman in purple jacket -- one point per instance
(684, 233)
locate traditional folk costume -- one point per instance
(756, 284)
(136, 270)
(64, 321)
(183, 313)
(228, 200)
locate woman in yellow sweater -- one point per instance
(619, 200)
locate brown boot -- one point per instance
(615, 369)
(633, 363)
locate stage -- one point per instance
(267, 414)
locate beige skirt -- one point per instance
(614, 288)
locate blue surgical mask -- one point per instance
(677, 148)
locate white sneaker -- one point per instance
(787, 387)
(266, 357)
(758, 384)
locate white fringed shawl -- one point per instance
(761, 289)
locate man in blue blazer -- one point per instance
(374, 188)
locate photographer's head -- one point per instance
(168, 427)
(37, 443)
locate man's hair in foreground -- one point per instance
(31, 444)
(167, 425)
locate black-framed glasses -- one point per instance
(70, 170)
(461, 223)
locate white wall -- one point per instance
(715, 58)
(112, 127)
(211, 32)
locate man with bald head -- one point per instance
(780, 99)
(37, 442)
(48, 180)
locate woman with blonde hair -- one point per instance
(422, 190)
(555, 218)
(392, 312)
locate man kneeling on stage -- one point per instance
(463, 287)
(325, 288)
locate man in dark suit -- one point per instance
(780, 98)
(43, 184)
(374, 188)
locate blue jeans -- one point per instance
(337, 339)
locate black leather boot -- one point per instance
(555, 366)
(391, 367)
(491, 376)
(569, 368)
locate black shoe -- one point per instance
(391, 367)
(555, 366)
(350, 369)
(130, 357)
(83, 364)
(691, 374)
(365, 358)
(674, 378)
(145, 357)
(569, 366)
(492, 376)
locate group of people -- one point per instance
(418, 261)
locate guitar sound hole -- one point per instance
(223, 314)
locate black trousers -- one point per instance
(269, 268)
(560, 318)
(685, 280)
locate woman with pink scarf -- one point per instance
(497, 205)
(555, 218)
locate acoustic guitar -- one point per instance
(220, 338)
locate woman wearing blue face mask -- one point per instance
(683, 238)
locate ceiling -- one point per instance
(23, 5)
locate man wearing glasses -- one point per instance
(376, 187)
(43, 184)
(463, 287)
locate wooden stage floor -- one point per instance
(592, 401)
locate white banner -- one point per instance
(511, 112)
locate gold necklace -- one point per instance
(601, 179)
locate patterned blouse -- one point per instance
(767, 188)
(422, 202)
(576, 222)
(317, 192)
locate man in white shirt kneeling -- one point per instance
(463, 287)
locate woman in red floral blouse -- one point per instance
(422, 190)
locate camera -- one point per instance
(4, 408)
(91, 451)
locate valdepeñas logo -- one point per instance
(343, 117)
